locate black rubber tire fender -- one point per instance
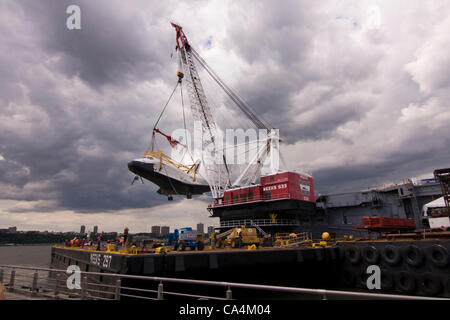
(352, 254)
(391, 254)
(430, 284)
(363, 275)
(341, 253)
(439, 255)
(371, 254)
(405, 281)
(182, 245)
(387, 280)
(175, 245)
(448, 284)
(413, 255)
(348, 277)
(200, 246)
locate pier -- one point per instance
(45, 287)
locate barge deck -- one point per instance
(408, 265)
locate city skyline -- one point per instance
(87, 230)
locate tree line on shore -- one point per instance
(33, 237)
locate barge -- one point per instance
(303, 267)
(409, 265)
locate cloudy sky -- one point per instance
(360, 91)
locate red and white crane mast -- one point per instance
(217, 171)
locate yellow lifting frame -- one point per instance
(164, 158)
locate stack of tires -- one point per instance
(415, 268)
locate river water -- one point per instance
(30, 255)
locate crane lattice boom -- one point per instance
(217, 171)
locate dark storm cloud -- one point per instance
(399, 167)
(13, 173)
(113, 45)
(71, 141)
(289, 46)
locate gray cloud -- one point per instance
(112, 47)
(71, 119)
(399, 167)
(292, 47)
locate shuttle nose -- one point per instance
(132, 166)
(139, 167)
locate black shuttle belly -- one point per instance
(167, 184)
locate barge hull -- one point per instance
(418, 267)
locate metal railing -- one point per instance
(258, 222)
(52, 284)
(294, 237)
(261, 231)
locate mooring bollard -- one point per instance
(118, 285)
(229, 294)
(34, 284)
(11, 280)
(160, 291)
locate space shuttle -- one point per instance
(172, 178)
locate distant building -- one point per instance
(12, 230)
(210, 229)
(83, 229)
(200, 228)
(95, 229)
(156, 230)
(165, 230)
(9, 230)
